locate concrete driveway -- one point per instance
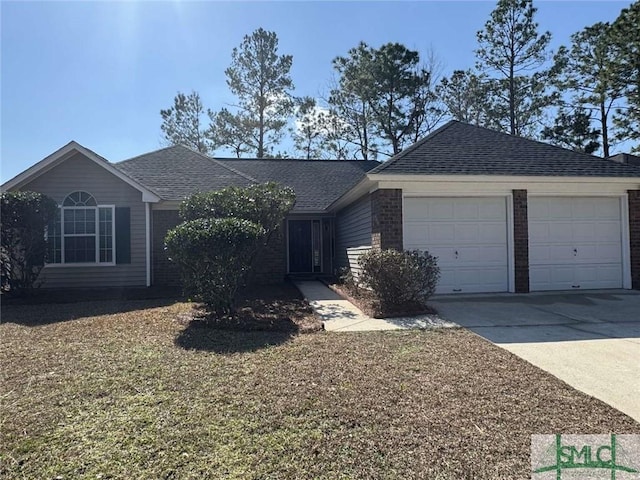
(589, 340)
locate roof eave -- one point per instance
(359, 189)
(416, 177)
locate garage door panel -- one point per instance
(447, 282)
(415, 234)
(607, 209)
(583, 210)
(608, 231)
(598, 276)
(440, 233)
(493, 232)
(466, 211)
(480, 280)
(445, 255)
(559, 210)
(481, 255)
(538, 232)
(575, 243)
(493, 209)
(467, 233)
(469, 237)
(439, 210)
(560, 232)
(537, 210)
(582, 231)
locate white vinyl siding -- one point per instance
(80, 173)
(469, 237)
(575, 243)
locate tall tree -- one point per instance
(385, 95)
(572, 129)
(319, 133)
(231, 130)
(349, 99)
(512, 53)
(466, 97)
(182, 123)
(400, 94)
(430, 109)
(309, 131)
(259, 77)
(625, 36)
(586, 72)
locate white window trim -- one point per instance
(97, 263)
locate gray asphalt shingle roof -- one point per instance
(317, 183)
(461, 149)
(176, 172)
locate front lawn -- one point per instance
(129, 389)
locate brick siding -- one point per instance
(163, 271)
(634, 237)
(521, 240)
(270, 265)
(386, 219)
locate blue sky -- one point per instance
(99, 72)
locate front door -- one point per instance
(305, 246)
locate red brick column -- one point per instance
(634, 237)
(521, 240)
(386, 219)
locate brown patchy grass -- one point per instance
(126, 390)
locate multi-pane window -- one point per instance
(83, 231)
(106, 234)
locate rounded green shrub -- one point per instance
(398, 278)
(213, 255)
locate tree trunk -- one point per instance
(605, 133)
(261, 133)
(365, 138)
(512, 101)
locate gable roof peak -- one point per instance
(66, 152)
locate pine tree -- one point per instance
(512, 52)
(259, 77)
(586, 72)
(182, 124)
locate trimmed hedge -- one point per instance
(265, 204)
(222, 233)
(24, 217)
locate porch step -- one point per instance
(294, 277)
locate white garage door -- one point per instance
(469, 237)
(574, 243)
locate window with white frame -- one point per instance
(83, 232)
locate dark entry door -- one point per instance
(300, 246)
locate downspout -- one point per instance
(147, 222)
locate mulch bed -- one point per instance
(278, 308)
(366, 302)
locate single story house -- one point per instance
(501, 213)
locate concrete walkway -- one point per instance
(338, 314)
